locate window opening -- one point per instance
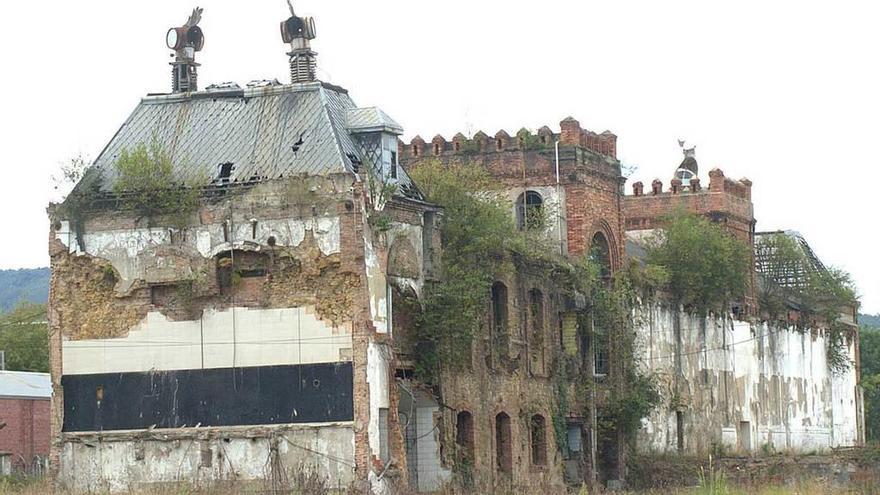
(600, 254)
(464, 433)
(503, 444)
(529, 211)
(539, 440)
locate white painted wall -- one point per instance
(776, 379)
(125, 249)
(253, 337)
(114, 465)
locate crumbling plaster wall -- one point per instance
(206, 457)
(393, 259)
(743, 386)
(104, 320)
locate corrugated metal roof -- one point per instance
(265, 132)
(20, 384)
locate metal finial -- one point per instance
(289, 4)
(195, 17)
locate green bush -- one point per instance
(707, 268)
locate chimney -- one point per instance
(299, 31)
(186, 41)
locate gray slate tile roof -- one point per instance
(266, 132)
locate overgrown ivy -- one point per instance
(480, 241)
(819, 294)
(477, 232)
(707, 267)
(146, 184)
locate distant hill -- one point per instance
(28, 284)
(869, 320)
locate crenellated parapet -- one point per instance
(571, 134)
(726, 200)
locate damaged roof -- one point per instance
(265, 132)
(794, 276)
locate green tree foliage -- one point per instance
(146, 184)
(477, 229)
(706, 267)
(24, 338)
(870, 360)
(819, 294)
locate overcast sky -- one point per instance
(784, 93)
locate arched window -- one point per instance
(600, 254)
(464, 433)
(503, 443)
(529, 211)
(536, 320)
(538, 429)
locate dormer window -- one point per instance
(499, 144)
(437, 149)
(415, 150)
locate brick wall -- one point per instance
(26, 433)
(588, 172)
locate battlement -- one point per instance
(718, 183)
(726, 201)
(571, 134)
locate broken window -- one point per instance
(225, 172)
(536, 310)
(538, 429)
(530, 211)
(503, 444)
(600, 254)
(600, 355)
(464, 434)
(393, 164)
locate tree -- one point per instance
(870, 359)
(707, 268)
(24, 336)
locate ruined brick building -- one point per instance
(258, 334)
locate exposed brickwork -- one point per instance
(726, 201)
(26, 433)
(588, 173)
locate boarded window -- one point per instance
(464, 434)
(539, 440)
(503, 444)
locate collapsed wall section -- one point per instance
(233, 333)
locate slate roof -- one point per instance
(371, 119)
(265, 132)
(20, 384)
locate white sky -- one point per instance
(784, 92)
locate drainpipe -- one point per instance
(559, 205)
